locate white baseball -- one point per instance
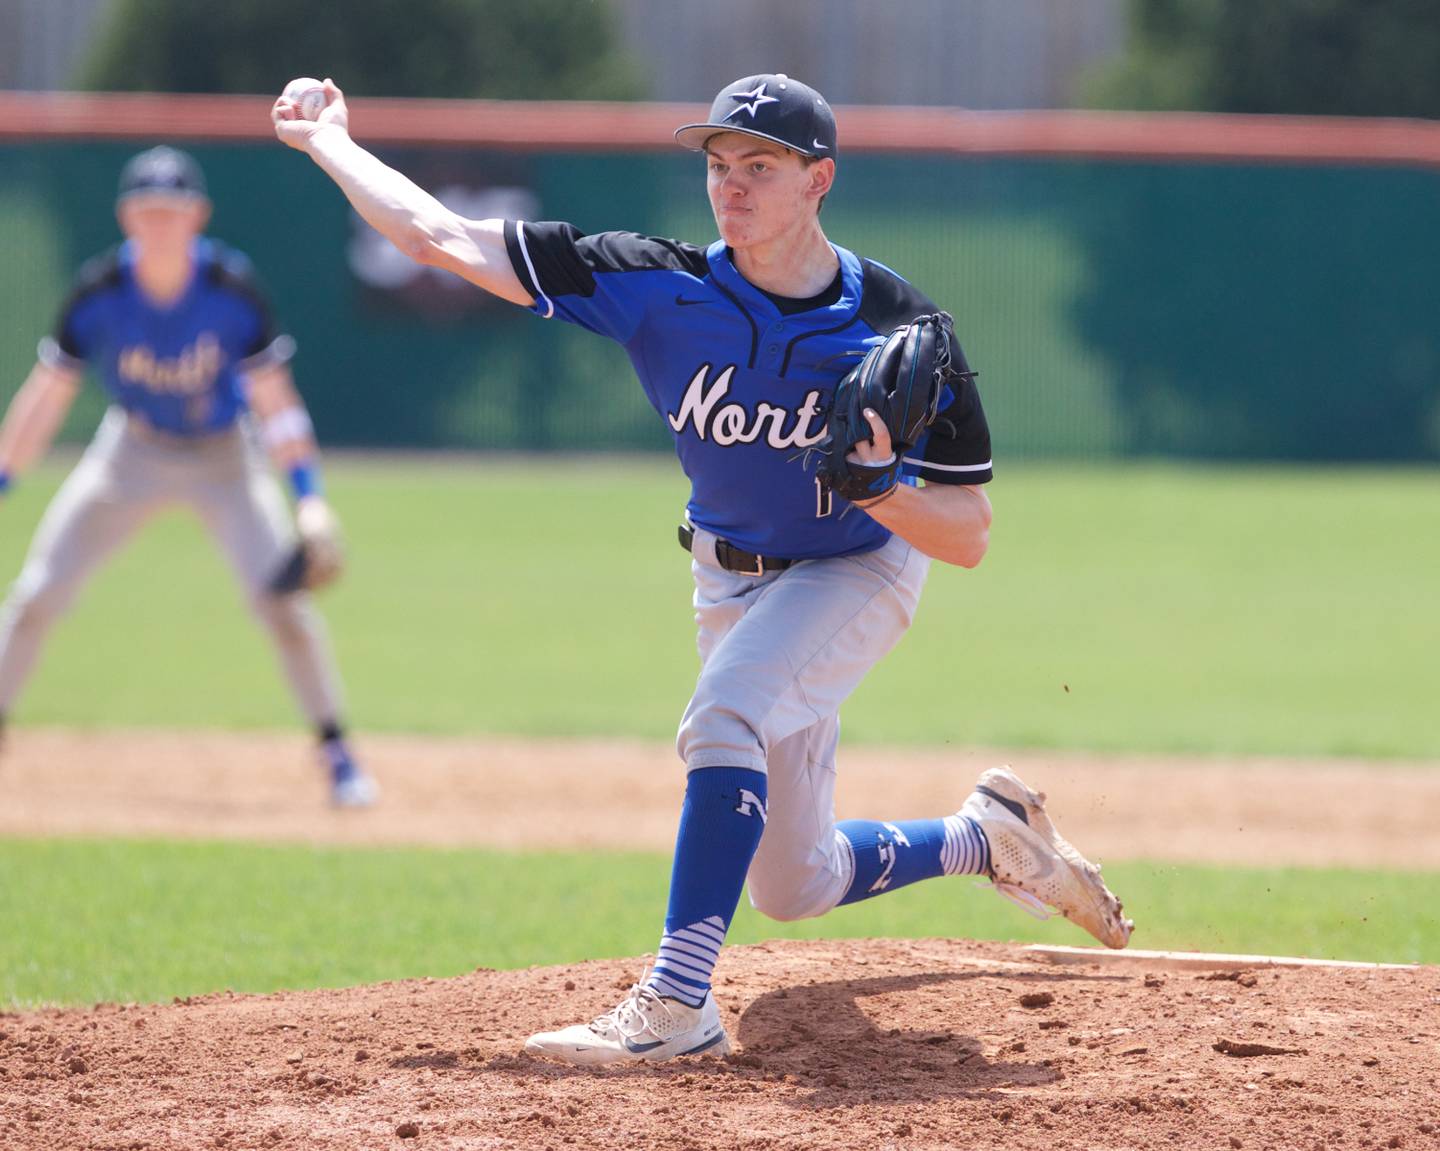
(308, 95)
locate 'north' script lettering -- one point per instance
(731, 423)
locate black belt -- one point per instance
(732, 559)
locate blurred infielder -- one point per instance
(745, 348)
(176, 328)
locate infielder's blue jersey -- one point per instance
(744, 385)
(179, 368)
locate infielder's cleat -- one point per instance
(1032, 864)
(355, 790)
(349, 785)
(644, 1028)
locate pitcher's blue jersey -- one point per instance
(178, 368)
(743, 386)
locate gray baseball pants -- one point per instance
(126, 475)
(779, 654)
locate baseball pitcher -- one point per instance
(809, 392)
(177, 331)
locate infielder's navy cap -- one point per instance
(772, 107)
(162, 171)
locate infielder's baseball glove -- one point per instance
(319, 558)
(900, 379)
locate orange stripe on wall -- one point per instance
(586, 126)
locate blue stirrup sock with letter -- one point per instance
(720, 828)
(892, 855)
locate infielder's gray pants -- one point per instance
(127, 475)
(779, 655)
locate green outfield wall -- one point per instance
(1113, 309)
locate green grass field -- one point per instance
(1280, 611)
(1126, 609)
(127, 921)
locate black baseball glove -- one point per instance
(901, 380)
(318, 559)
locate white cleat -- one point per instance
(354, 792)
(644, 1028)
(1032, 864)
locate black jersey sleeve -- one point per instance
(78, 328)
(261, 343)
(604, 282)
(956, 448)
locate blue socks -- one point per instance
(892, 855)
(720, 827)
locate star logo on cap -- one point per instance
(756, 96)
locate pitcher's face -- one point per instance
(760, 191)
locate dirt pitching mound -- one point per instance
(932, 1043)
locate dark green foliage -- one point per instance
(1312, 57)
(555, 49)
(1269, 313)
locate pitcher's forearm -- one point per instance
(400, 210)
(946, 522)
(414, 221)
(390, 202)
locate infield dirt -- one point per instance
(512, 793)
(872, 1043)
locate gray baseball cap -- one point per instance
(163, 171)
(770, 106)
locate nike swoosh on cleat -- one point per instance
(709, 1043)
(641, 1048)
(682, 302)
(1015, 809)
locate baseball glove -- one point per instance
(900, 379)
(319, 558)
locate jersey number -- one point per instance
(822, 500)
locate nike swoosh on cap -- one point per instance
(822, 147)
